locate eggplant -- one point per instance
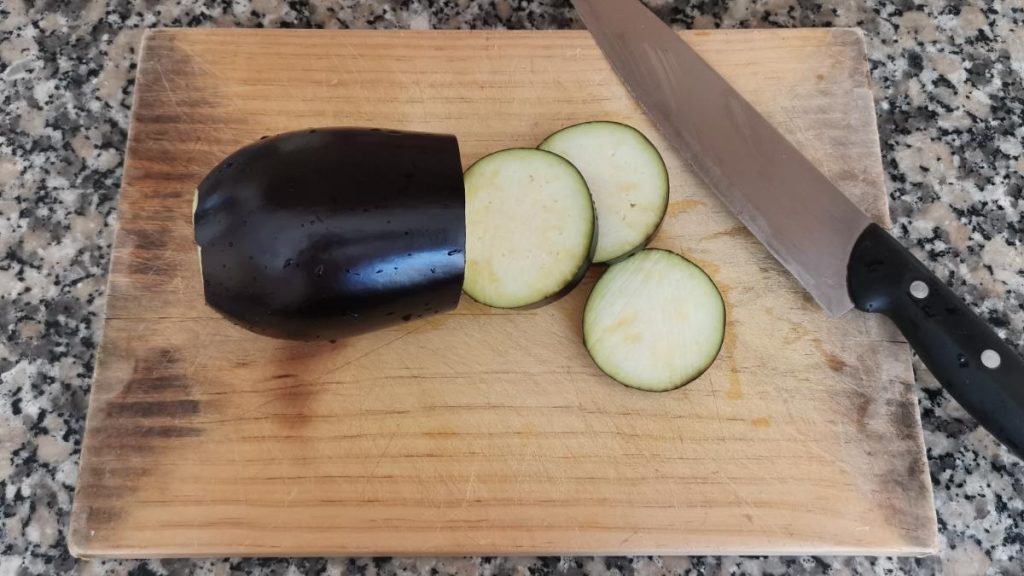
(328, 233)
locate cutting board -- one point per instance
(487, 431)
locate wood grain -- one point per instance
(487, 431)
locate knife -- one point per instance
(832, 248)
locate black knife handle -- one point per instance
(981, 371)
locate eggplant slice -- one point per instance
(654, 321)
(627, 178)
(328, 233)
(530, 228)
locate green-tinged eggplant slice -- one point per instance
(627, 178)
(654, 321)
(530, 228)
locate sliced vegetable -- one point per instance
(654, 321)
(332, 232)
(530, 230)
(627, 178)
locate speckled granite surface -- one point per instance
(949, 80)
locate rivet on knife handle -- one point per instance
(981, 371)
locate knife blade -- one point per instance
(830, 246)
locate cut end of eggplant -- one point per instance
(654, 321)
(327, 233)
(530, 228)
(627, 179)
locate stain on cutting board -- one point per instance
(153, 411)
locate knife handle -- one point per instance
(981, 371)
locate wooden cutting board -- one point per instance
(487, 431)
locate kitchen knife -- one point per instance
(842, 258)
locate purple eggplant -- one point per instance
(328, 233)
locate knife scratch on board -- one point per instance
(629, 537)
(805, 441)
(337, 369)
(717, 470)
(196, 61)
(170, 92)
(469, 488)
(376, 465)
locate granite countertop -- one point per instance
(949, 85)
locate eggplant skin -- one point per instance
(327, 233)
